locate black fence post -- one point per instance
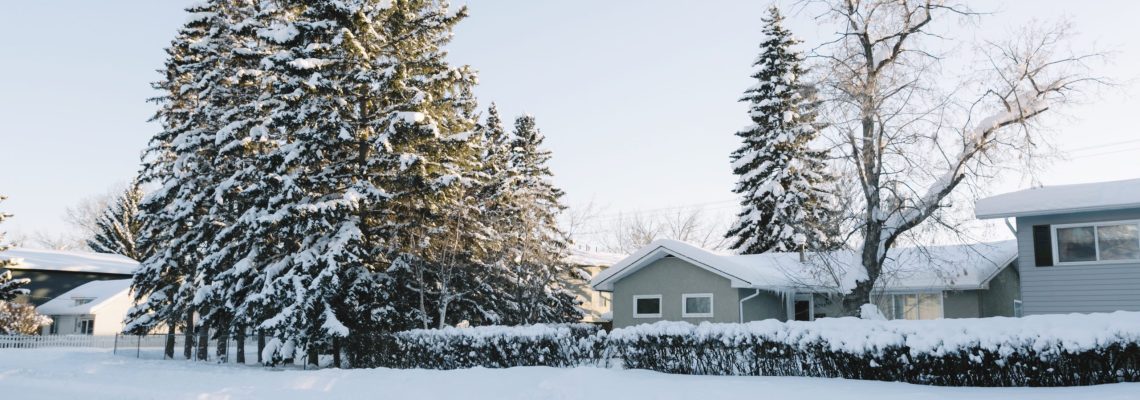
(115, 350)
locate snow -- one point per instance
(1045, 334)
(97, 374)
(71, 261)
(100, 293)
(947, 267)
(1061, 199)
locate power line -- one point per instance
(1107, 152)
(1097, 146)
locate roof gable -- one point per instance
(100, 293)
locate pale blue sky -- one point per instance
(637, 98)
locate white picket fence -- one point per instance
(147, 346)
(42, 341)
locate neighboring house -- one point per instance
(94, 308)
(672, 280)
(53, 272)
(584, 265)
(1079, 245)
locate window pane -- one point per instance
(883, 301)
(648, 306)
(930, 306)
(1076, 244)
(698, 305)
(1119, 242)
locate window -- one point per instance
(1017, 308)
(803, 308)
(82, 300)
(1100, 242)
(647, 306)
(54, 329)
(604, 300)
(86, 326)
(910, 305)
(697, 305)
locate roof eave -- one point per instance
(1037, 213)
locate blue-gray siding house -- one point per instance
(1078, 245)
(669, 280)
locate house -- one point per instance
(584, 265)
(1078, 245)
(94, 308)
(53, 272)
(672, 280)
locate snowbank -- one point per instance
(97, 375)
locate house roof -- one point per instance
(100, 293)
(948, 267)
(1084, 197)
(71, 261)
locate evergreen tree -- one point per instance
(117, 229)
(539, 245)
(9, 288)
(783, 182)
(180, 161)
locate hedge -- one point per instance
(1055, 350)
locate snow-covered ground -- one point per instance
(97, 374)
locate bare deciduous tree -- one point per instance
(912, 134)
(626, 234)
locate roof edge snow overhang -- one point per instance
(1037, 213)
(638, 261)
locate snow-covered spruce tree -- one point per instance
(9, 288)
(179, 160)
(428, 159)
(363, 101)
(782, 181)
(117, 229)
(538, 245)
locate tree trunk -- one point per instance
(223, 347)
(260, 346)
(312, 358)
(188, 330)
(336, 352)
(168, 349)
(240, 343)
(203, 342)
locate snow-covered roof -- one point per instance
(1058, 199)
(71, 261)
(99, 293)
(947, 267)
(593, 258)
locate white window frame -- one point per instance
(890, 314)
(1018, 308)
(1096, 242)
(684, 305)
(660, 304)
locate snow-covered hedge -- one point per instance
(1053, 350)
(561, 345)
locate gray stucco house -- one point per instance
(672, 280)
(1078, 245)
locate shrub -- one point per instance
(562, 345)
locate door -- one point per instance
(804, 308)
